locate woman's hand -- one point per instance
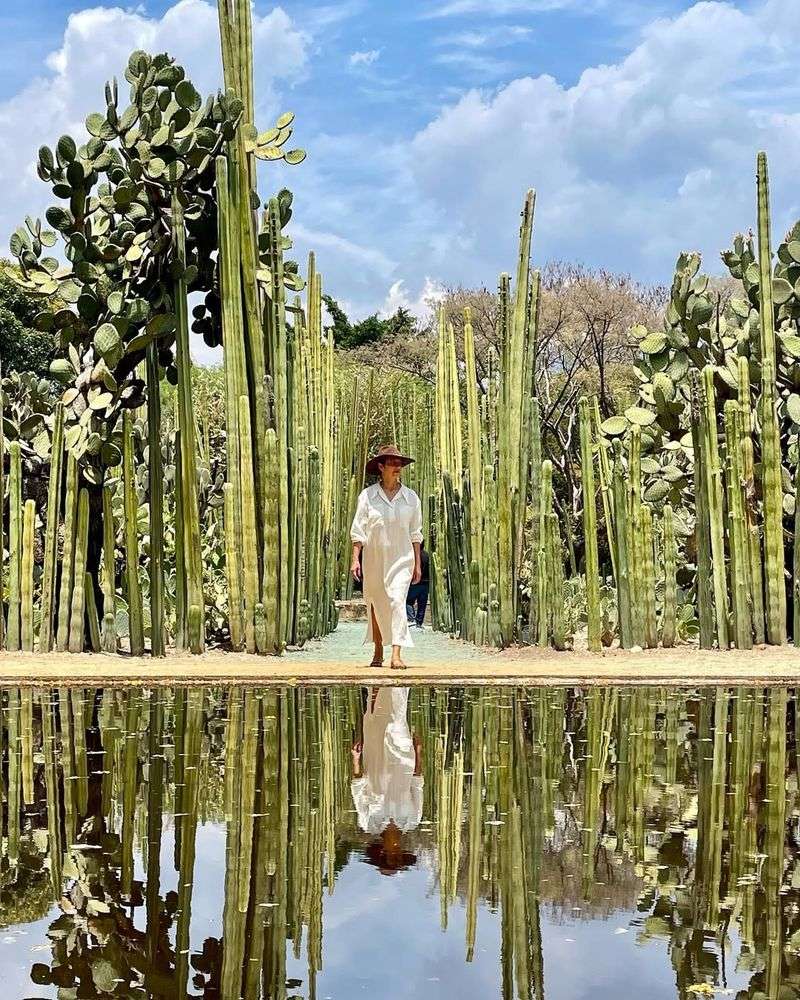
(417, 572)
(355, 569)
(358, 747)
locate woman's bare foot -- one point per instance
(398, 665)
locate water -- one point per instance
(550, 843)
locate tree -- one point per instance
(370, 331)
(22, 348)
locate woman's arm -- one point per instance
(416, 539)
(358, 535)
(355, 563)
(355, 753)
(417, 755)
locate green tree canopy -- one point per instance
(349, 336)
(22, 348)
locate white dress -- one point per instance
(389, 789)
(387, 529)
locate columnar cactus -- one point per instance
(670, 559)
(770, 433)
(714, 494)
(590, 529)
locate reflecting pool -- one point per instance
(391, 842)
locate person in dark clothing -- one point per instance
(417, 600)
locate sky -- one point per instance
(425, 123)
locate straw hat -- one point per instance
(389, 861)
(387, 451)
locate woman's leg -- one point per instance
(377, 656)
(396, 662)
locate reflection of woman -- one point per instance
(387, 784)
(388, 527)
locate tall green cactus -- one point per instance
(51, 531)
(26, 570)
(737, 528)
(190, 513)
(590, 529)
(621, 543)
(134, 588)
(714, 494)
(14, 637)
(109, 630)
(669, 609)
(68, 554)
(770, 432)
(155, 466)
(78, 607)
(756, 579)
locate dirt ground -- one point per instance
(457, 664)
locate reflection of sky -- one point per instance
(21, 947)
(381, 937)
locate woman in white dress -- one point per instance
(387, 785)
(388, 528)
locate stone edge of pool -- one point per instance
(675, 667)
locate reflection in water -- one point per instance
(188, 842)
(387, 778)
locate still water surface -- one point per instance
(389, 843)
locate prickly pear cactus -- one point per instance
(113, 219)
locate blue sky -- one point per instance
(425, 122)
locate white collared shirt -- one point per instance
(398, 520)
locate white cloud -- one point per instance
(507, 34)
(421, 306)
(634, 162)
(95, 47)
(501, 8)
(364, 58)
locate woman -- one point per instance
(387, 785)
(388, 527)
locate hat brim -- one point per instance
(374, 463)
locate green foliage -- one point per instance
(22, 346)
(348, 336)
